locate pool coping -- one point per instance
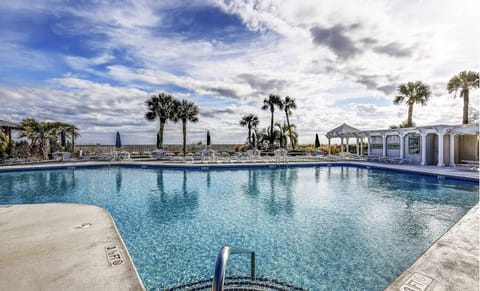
(447, 172)
(415, 268)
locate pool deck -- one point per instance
(40, 247)
(452, 263)
(45, 247)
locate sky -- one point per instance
(95, 63)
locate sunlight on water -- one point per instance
(323, 228)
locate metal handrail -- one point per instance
(221, 265)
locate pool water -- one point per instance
(321, 228)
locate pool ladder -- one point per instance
(221, 265)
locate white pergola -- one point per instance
(346, 132)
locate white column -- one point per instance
(452, 150)
(347, 147)
(440, 150)
(329, 150)
(402, 145)
(361, 146)
(358, 148)
(368, 145)
(384, 140)
(423, 148)
(341, 144)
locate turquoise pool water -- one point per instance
(321, 228)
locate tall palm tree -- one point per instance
(288, 105)
(464, 81)
(250, 121)
(160, 107)
(185, 111)
(270, 104)
(411, 93)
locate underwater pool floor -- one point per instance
(438, 278)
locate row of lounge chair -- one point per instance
(250, 156)
(389, 160)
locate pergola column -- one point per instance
(361, 146)
(347, 145)
(368, 145)
(452, 150)
(341, 144)
(423, 148)
(384, 141)
(402, 145)
(440, 149)
(358, 148)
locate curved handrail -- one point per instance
(221, 265)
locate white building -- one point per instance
(441, 145)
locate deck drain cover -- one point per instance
(83, 225)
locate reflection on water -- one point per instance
(323, 228)
(30, 187)
(118, 180)
(173, 200)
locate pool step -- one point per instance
(239, 283)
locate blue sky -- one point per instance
(94, 64)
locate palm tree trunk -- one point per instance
(184, 128)
(249, 134)
(160, 135)
(465, 106)
(271, 128)
(289, 130)
(410, 113)
(73, 140)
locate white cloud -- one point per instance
(392, 41)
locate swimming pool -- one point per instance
(322, 228)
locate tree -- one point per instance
(160, 107)
(44, 134)
(464, 81)
(270, 104)
(250, 121)
(284, 133)
(3, 144)
(411, 93)
(402, 125)
(288, 105)
(185, 111)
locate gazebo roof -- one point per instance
(10, 125)
(344, 130)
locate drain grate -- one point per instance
(239, 284)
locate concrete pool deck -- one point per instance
(63, 247)
(452, 263)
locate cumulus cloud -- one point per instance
(336, 39)
(317, 52)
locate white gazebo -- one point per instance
(346, 132)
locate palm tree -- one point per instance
(160, 107)
(3, 144)
(284, 133)
(269, 104)
(250, 121)
(288, 105)
(185, 111)
(411, 93)
(30, 127)
(463, 81)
